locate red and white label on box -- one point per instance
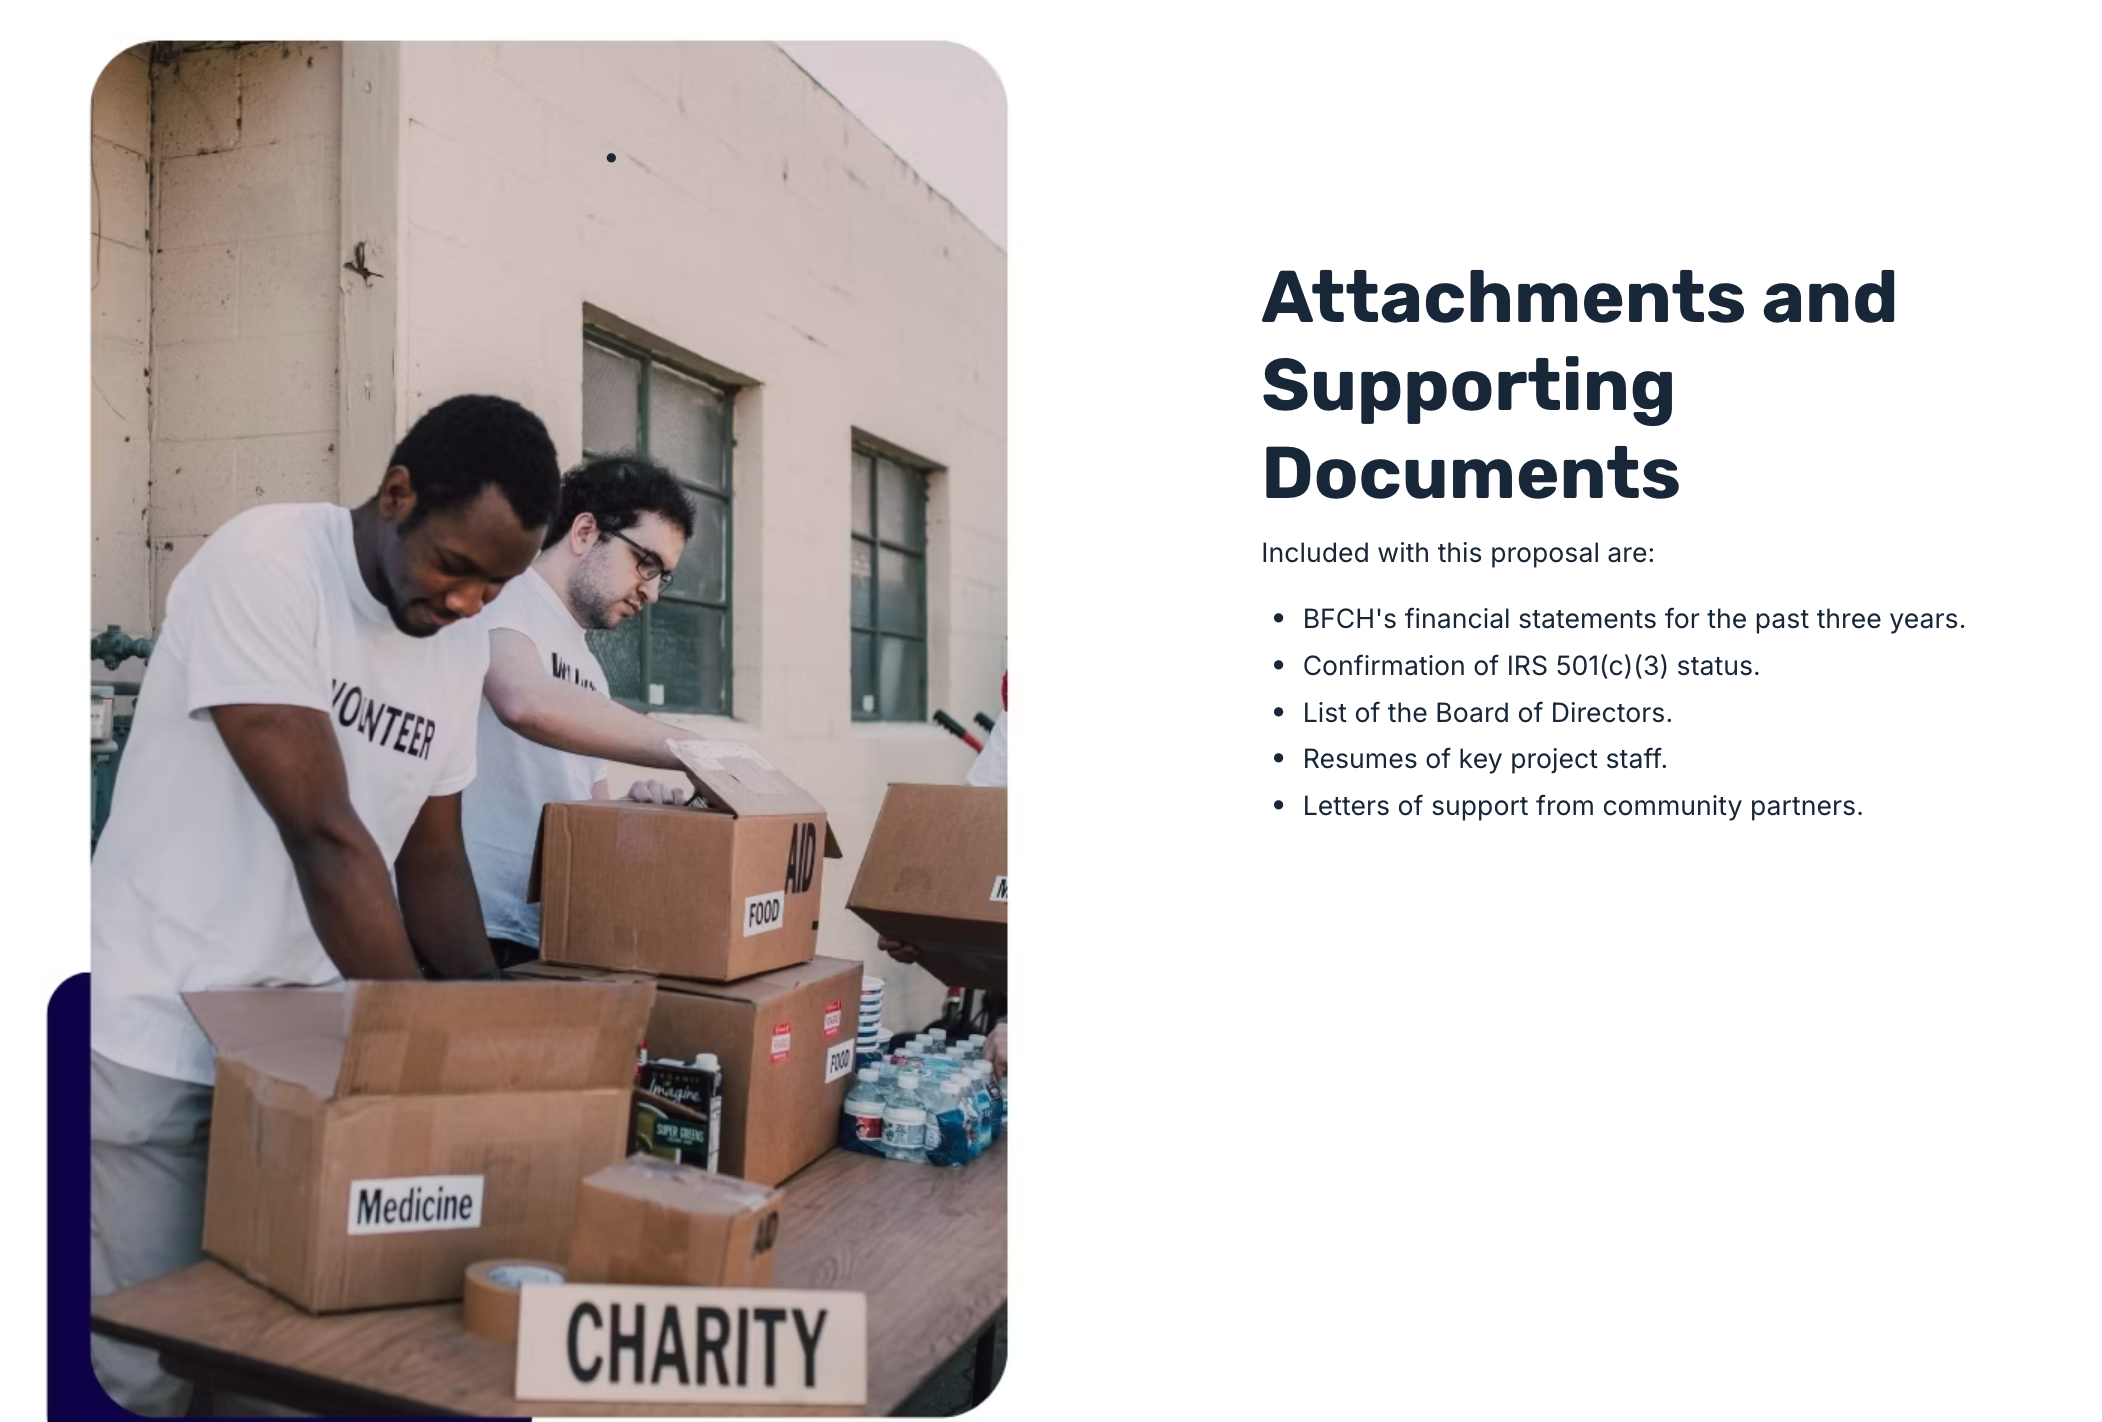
(832, 1020)
(780, 1046)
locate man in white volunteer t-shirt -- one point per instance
(548, 720)
(288, 808)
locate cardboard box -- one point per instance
(717, 893)
(648, 1221)
(935, 876)
(778, 1037)
(370, 1141)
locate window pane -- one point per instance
(901, 505)
(862, 570)
(901, 677)
(687, 425)
(611, 383)
(864, 675)
(620, 653)
(675, 660)
(704, 569)
(863, 464)
(900, 593)
(712, 640)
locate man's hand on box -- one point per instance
(658, 792)
(903, 952)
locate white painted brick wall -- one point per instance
(120, 450)
(246, 152)
(748, 218)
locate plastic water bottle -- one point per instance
(905, 1132)
(861, 1120)
(948, 1140)
(974, 1122)
(983, 1103)
(906, 1090)
(996, 1089)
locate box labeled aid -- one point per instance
(935, 876)
(647, 1221)
(714, 893)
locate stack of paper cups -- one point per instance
(871, 1038)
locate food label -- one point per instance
(779, 1049)
(839, 1061)
(762, 913)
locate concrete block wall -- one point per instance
(246, 155)
(749, 219)
(119, 431)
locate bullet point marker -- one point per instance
(1280, 710)
(1280, 804)
(1279, 756)
(1280, 666)
(1280, 617)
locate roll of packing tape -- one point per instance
(490, 1302)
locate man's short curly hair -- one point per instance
(617, 490)
(463, 445)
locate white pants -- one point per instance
(146, 1210)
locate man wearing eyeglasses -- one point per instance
(548, 722)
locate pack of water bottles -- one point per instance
(930, 1101)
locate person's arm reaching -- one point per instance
(438, 901)
(290, 759)
(554, 713)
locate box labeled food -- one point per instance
(647, 1221)
(784, 1080)
(935, 876)
(370, 1141)
(716, 891)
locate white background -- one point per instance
(1627, 1120)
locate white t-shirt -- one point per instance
(990, 769)
(500, 813)
(192, 888)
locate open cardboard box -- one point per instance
(718, 892)
(935, 876)
(370, 1141)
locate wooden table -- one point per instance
(928, 1247)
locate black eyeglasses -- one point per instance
(647, 563)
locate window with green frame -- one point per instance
(888, 558)
(676, 655)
